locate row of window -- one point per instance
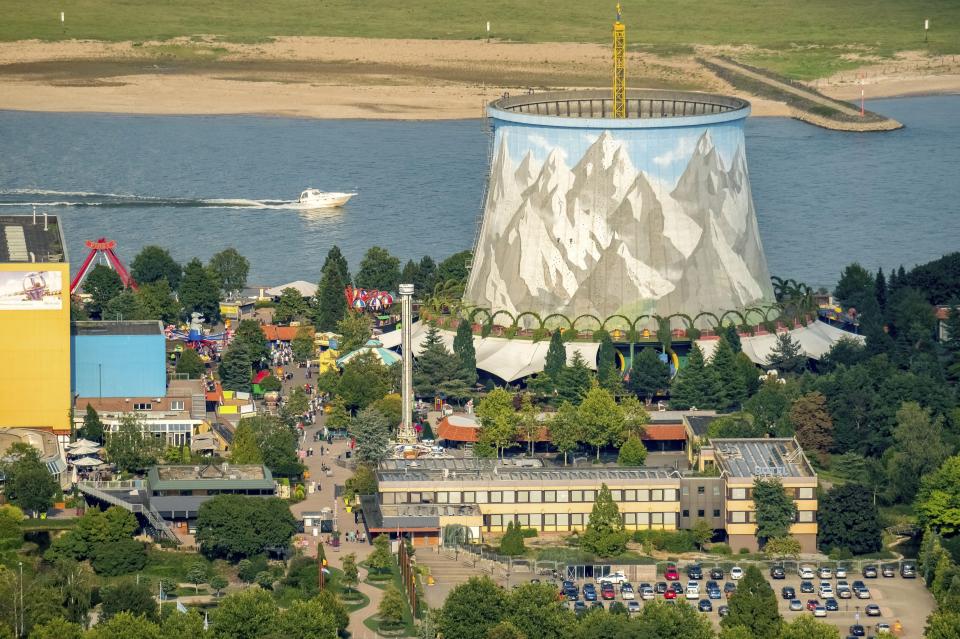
(175, 404)
(702, 490)
(798, 493)
(750, 516)
(700, 513)
(572, 521)
(526, 496)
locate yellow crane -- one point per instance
(619, 68)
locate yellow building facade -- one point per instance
(34, 325)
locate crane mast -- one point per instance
(619, 68)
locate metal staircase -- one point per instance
(105, 491)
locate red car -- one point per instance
(670, 594)
(606, 591)
(812, 603)
(671, 574)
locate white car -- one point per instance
(826, 591)
(736, 572)
(693, 590)
(613, 577)
(647, 593)
(819, 611)
(863, 593)
(883, 629)
(825, 573)
(633, 607)
(841, 572)
(626, 592)
(806, 572)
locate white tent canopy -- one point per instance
(84, 450)
(508, 359)
(81, 442)
(86, 462)
(815, 339)
(305, 289)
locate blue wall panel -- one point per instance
(118, 365)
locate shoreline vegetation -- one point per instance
(367, 78)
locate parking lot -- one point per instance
(901, 600)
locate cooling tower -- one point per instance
(590, 215)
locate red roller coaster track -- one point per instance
(105, 247)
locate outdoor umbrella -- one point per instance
(86, 462)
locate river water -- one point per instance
(197, 184)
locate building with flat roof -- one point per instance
(34, 324)
(118, 359)
(46, 444)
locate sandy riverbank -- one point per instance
(354, 78)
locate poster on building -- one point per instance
(31, 290)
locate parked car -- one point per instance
(579, 607)
(788, 592)
(670, 595)
(660, 587)
(806, 572)
(872, 610)
(614, 577)
(826, 590)
(870, 572)
(693, 590)
(596, 605)
(714, 593)
(796, 605)
(729, 588)
(723, 611)
(633, 607)
(820, 611)
(883, 629)
(607, 591)
(647, 593)
(806, 586)
(716, 573)
(695, 571)
(844, 592)
(812, 603)
(671, 573)
(888, 571)
(863, 593)
(626, 592)
(677, 587)
(841, 572)
(908, 571)
(736, 572)
(572, 593)
(831, 604)
(589, 592)
(857, 585)
(777, 572)
(856, 630)
(705, 605)
(825, 573)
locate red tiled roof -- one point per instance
(664, 432)
(275, 333)
(457, 430)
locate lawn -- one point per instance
(664, 27)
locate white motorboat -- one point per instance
(317, 199)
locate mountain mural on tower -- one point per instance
(603, 237)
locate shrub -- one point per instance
(248, 569)
(668, 540)
(744, 551)
(512, 542)
(527, 533)
(119, 558)
(720, 549)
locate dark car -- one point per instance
(660, 587)
(705, 606)
(777, 572)
(695, 572)
(831, 604)
(729, 588)
(572, 594)
(712, 584)
(870, 572)
(908, 571)
(888, 571)
(567, 584)
(723, 611)
(589, 592)
(596, 604)
(788, 592)
(714, 593)
(579, 607)
(677, 587)
(716, 573)
(872, 610)
(856, 630)
(806, 586)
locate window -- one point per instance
(524, 520)
(576, 520)
(414, 498)
(576, 495)
(563, 521)
(700, 513)
(656, 518)
(469, 497)
(496, 520)
(806, 493)
(738, 517)
(629, 495)
(549, 519)
(670, 494)
(716, 512)
(455, 497)
(643, 519)
(550, 496)
(509, 496)
(656, 495)
(701, 490)
(176, 404)
(617, 495)
(589, 495)
(686, 513)
(523, 497)
(563, 496)
(536, 520)
(643, 495)
(805, 516)
(686, 490)
(442, 498)
(738, 493)
(142, 406)
(427, 498)
(496, 497)
(536, 496)
(630, 519)
(716, 490)
(389, 498)
(481, 497)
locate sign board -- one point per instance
(31, 290)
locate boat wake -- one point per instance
(50, 198)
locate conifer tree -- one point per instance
(648, 374)
(199, 292)
(574, 380)
(732, 388)
(330, 301)
(695, 385)
(556, 356)
(607, 373)
(632, 453)
(605, 534)
(787, 356)
(880, 289)
(754, 606)
(464, 349)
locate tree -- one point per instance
(331, 302)
(648, 375)
(498, 423)
(351, 575)
(437, 372)
(786, 355)
(454, 269)
(754, 606)
(464, 349)
(354, 329)
(512, 541)
(505, 630)
(919, 450)
(152, 264)
(381, 559)
(237, 526)
(426, 276)
(250, 336)
(601, 420)
(379, 270)
(776, 512)
(197, 574)
(534, 610)
(938, 500)
(277, 444)
(218, 583)
(391, 607)
(848, 519)
(574, 380)
(331, 603)
(556, 359)
(183, 626)
(234, 370)
(528, 423)
(92, 428)
(632, 453)
(305, 620)
(658, 619)
(391, 407)
(812, 421)
(732, 387)
(302, 344)
(190, 364)
(248, 614)
(734, 426)
(769, 405)
(780, 547)
(246, 448)
(295, 405)
(102, 285)
(564, 429)
(943, 624)
(607, 373)
(696, 384)
(291, 306)
(364, 380)
(635, 419)
(199, 292)
(231, 270)
(125, 625)
(156, 301)
(57, 628)
(410, 274)
(472, 609)
(27, 481)
(127, 596)
(129, 448)
(371, 432)
(605, 534)
(120, 557)
(854, 286)
(702, 532)
(805, 627)
(123, 306)
(362, 482)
